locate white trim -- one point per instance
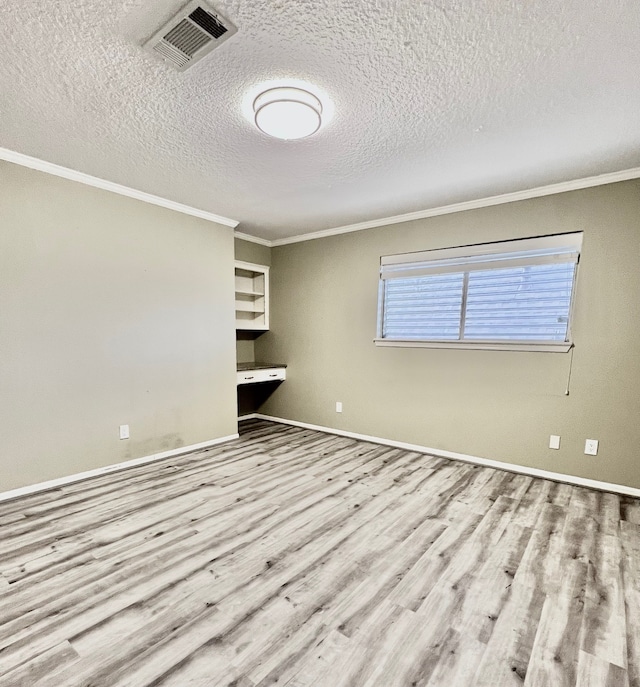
(82, 178)
(248, 416)
(561, 347)
(116, 467)
(476, 460)
(253, 239)
(547, 248)
(251, 266)
(538, 192)
(551, 189)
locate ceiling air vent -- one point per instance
(195, 31)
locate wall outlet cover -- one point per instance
(338, 406)
(124, 431)
(554, 441)
(591, 447)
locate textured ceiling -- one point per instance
(435, 102)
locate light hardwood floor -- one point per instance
(295, 558)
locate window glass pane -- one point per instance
(426, 308)
(519, 304)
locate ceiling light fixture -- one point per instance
(287, 113)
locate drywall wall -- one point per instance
(112, 311)
(245, 349)
(248, 251)
(492, 404)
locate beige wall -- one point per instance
(112, 311)
(499, 405)
(248, 251)
(245, 349)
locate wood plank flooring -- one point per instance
(295, 558)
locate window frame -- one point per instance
(552, 244)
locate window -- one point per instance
(511, 294)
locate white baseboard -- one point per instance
(79, 476)
(510, 467)
(476, 460)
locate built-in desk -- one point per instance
(255, 373)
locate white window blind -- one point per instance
(426, 307)
(515, 292)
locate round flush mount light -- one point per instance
(287, 112)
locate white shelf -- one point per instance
(240, 292)
(252, 296)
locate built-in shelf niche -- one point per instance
(252, 296)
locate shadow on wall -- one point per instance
(252, 396)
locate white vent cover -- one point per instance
(195, 31)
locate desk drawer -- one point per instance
(274, 374)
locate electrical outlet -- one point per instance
(124, 431)
(554, 441)
(338, 406)
(591, 447)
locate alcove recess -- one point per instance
(252, 297)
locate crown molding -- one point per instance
(253, 239)
(82, 178)
(502, 199)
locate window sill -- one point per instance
(561, 347)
